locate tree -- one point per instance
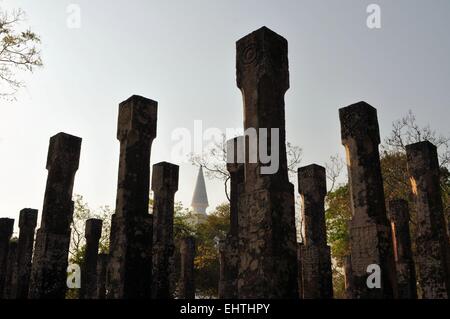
(18, 51)
(207, 235)
(82, 212)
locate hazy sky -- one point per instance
(182, 54)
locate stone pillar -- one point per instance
(348, 277)
(316, 254)
(6, 231)
(92, 233)
(432, 243)
(102, 263)
(228, 248)
(300, 270)
(130, 261)
(164, 186)
(11, 269)
(401, 239)
(267, 236)
(50, 259)
(27, 225)
(370, 234)
(186, 286)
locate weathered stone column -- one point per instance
(348, 277)
(432, 243)
(102, 263)
(300, 269)
(11, 268)
(50, 259)
(267, 236)
(186, 286)
(401, 239)
(164, 186)
(92, 233)
(370, 233)
(27, 225)
(316, 254)
(228, 248)
(6, 231)
(130, 261)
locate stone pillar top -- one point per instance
(165, 177)
(235, 154)
(93, 228)
(398, 210)
(6, 227)
(64, 151)
(28, 218)
(137, 117)
(358, 121)
(312, 180)
(422, 154)
(259, 53)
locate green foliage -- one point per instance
(208, 235)
(337, 216)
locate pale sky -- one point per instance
(182, 54)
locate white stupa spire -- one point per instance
(200, 198)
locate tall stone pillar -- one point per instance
(370, 234)
(316, 254)
(432, 243)
(92, 233)
(130, 262)
(50, 259)
(300, 269)
(27, 225)
(6, 231)
(186, 286)
(228, 248)
(102, 263)
(267, 236)
(348, 277)
(406, 273)
(164, 186)
(11, 269)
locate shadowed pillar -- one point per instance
(431, 239)
(370, 233)
(316, 255)
(49, 269)
(6, 231)
(186, 286)
(300, 270)
(267, 236)
(401, 239)
(102, 263)
(11, 269)
(164, 186)
(348, 277)
(93, 232)
(130, 264)
(228, 248)
(27, 225)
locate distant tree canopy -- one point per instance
(18, 51)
